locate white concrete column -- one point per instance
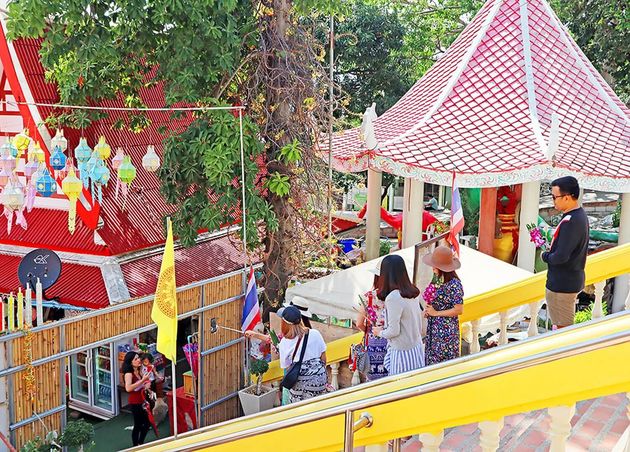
(431, 441)
(560, 426)
(334, 375)
(530, 204)
(373, 216)
(490, 436)
(621, 282)
(413, 205)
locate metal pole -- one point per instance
(173, 392)
(348, 441)
(330, 130)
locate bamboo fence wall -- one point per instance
(222, 370)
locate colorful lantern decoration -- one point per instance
(4, 177)
(46, 185)
(100, 176)
(13, 200)
(58, 161)
(7, 163)
(151, 161)
(126, 175)
(72, 188)
(36, 153)
(21, 142)
(103, 149)
(9, 148)
(59, 141)
(82, 154)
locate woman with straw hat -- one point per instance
(444, 308)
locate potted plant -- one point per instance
(257, 397)
(77, 435)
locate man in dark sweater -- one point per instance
(567, 257)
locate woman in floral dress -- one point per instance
(376, 346)
(444, 306)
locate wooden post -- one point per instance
(487, 220)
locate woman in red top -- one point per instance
(135, 384)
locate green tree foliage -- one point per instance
(206, 52)
(602, 30)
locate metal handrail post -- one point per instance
(348, 441)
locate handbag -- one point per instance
(293, 372)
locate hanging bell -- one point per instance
(45, 184)
(21, 142)
(59, 141)
(103, 149)
(72, 187)
(9, 148)
(151, 161)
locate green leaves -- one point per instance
(291, 153)
(278, 184)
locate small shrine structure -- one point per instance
(513, 101)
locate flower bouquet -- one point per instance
(370, 312)
(539, 237)
(430, 292)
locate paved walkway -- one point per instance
(597, 426)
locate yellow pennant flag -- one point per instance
(164, 311)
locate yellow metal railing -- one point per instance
(577, 363)
(599, 267)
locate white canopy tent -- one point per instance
(337, 294)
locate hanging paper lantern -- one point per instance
(151, 161)
(9, 148)
(126, 174)
(37, 153)
(21, 142)
(4, 177)
(13, 200)
(126, 171)
(103, 149)
(46, 185)
(59, 141)
(58, 160)
(7, 161)
(83, 153)
(99, 176)
(72, 187)
(116, 162)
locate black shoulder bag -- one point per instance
(293, 372)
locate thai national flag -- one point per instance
(457, 217)
(251, 310)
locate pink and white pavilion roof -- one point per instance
(485, 110)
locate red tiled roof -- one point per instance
(475, 113)
(70, 287)
(204, 261)
(49, 229)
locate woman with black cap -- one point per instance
(442, 342)
(296, 337)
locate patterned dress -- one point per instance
(442, 342)
(377, 346)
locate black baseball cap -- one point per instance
(290, 314)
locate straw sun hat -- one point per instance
(442, 258)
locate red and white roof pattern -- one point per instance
(484, 110)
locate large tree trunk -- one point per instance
(278, 262)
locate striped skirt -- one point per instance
(400, 361)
